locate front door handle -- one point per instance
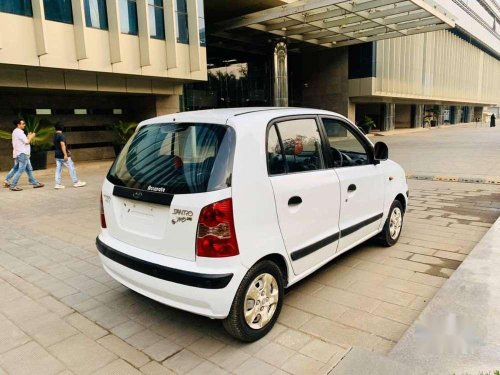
(351, 188)
(294, 200)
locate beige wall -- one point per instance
(436, 66)
(36, 42)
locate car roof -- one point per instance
(222, 115)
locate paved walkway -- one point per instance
(462, 151)
(60, 311)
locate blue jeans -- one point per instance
(23, 164)
(71, 167)
(12, 171)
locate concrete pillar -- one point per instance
(469, 114)
(351, 111)
(166, 104)
(417, 115)
(453, 115)
(389, 110)
(280, 75)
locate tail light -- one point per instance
(103, 218)
(216, 237)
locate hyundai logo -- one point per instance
(137, 195)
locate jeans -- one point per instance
(23, 164)
(12, 171)
(71, 167)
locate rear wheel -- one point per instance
(257, 303)
(393, 225)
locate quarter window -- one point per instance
(58, 10)
(301, 145)
(347, 150)
(95, 14)
(128, 17)
(275, 159)
(182, 21)
(21, 7)
(156, 19)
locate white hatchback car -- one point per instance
(216, 212)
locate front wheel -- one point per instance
(257, 302)
(393, 225)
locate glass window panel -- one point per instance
(302, 145)
(347, 150)
(96, 14)
(21, 7)
(128, 17)
(58, 10)
(182, 22)
(203, 39)
(201, 23)
(156, 19)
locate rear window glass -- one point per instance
(176, 158)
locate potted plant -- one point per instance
(122, 133)
(366, 124)
(40, 144)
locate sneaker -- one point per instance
(15, 188)
(59, 186)
(6, 184)
(80, 184)
(38, 185)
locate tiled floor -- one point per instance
(59, 311)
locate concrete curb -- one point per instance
(472, 180)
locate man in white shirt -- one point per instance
(22, 152)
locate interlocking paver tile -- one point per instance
(255, 366)
(48, 329)
(124, 350)
(10, 335)
(118, 367)
(163, 349)
(30, 359)
(299, 364)
(154, 368)
(293, 339)
(229, 358)
(183, 361)
(81, 354)
(322, 351)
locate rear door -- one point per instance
(307, 194)
(162, 179)
(361, 182)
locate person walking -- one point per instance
(22, 152)
(63, 158)
(492, 120)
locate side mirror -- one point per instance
(381, 151)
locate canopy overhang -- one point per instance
(336, 23)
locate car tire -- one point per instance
(393, 225)
(262, 284)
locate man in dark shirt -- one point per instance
(63, 158)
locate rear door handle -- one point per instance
(294, 200)
(351, 188)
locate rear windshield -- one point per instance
(176, 158)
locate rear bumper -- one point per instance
(204, 293)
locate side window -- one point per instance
(347, 150)
(275, 161)
(301, 144)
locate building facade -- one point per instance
(91, 63)
(403, 63)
